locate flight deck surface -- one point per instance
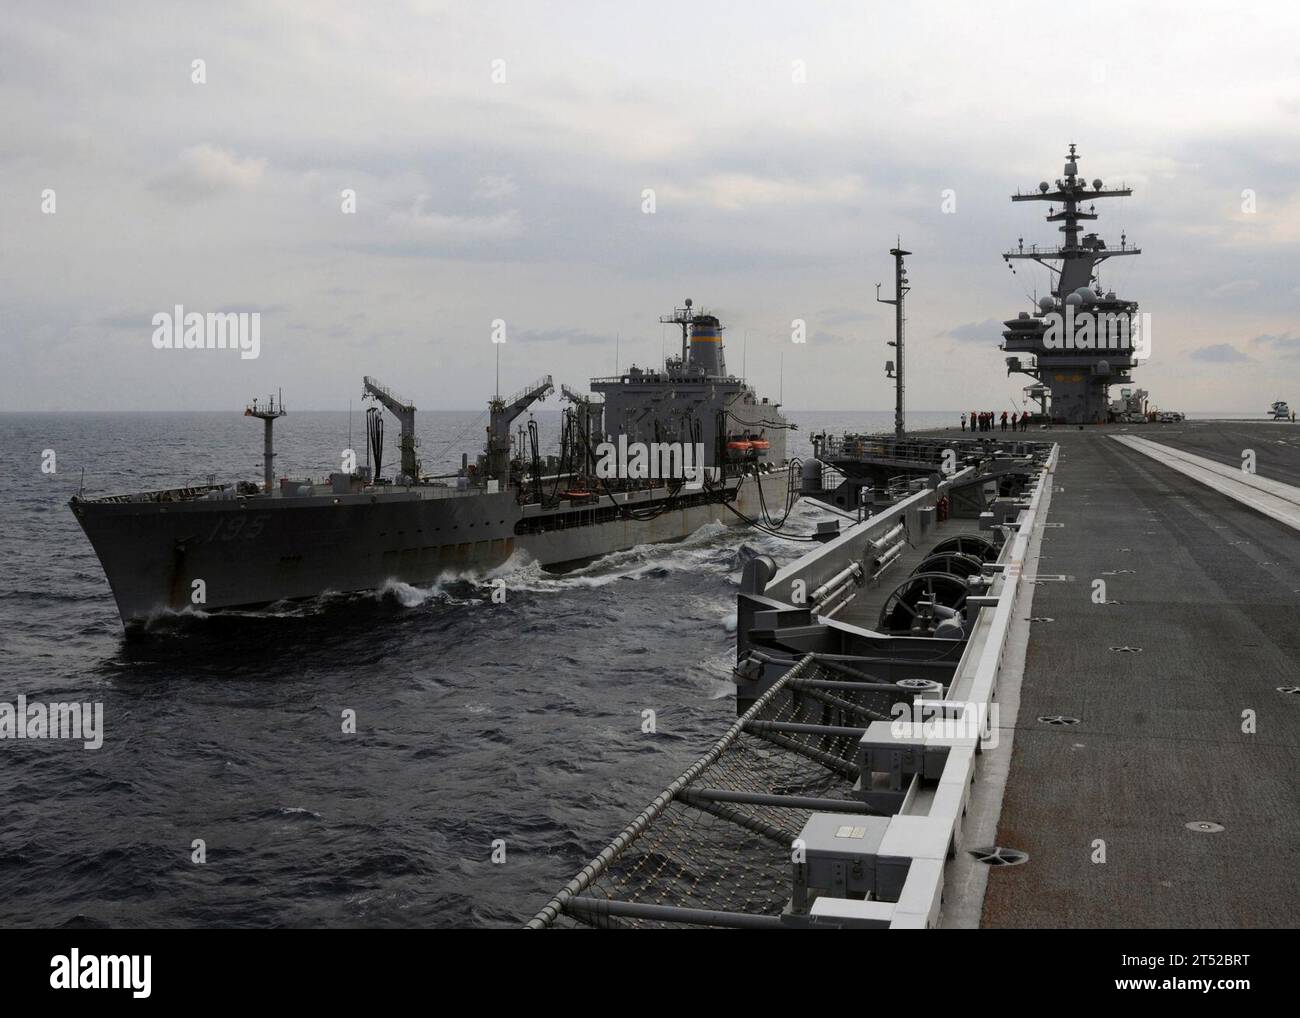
(1172, 670)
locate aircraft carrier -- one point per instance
(1043, 680)
(714, 450)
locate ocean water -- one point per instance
(480, 726)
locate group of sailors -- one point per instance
(987, 420)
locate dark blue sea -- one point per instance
(477, 723)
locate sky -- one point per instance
(503, 155)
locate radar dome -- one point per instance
(1096, 184)
(1074, 299)
(1042, 186)
(1046, 303)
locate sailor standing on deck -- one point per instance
(963, 422)
(1004, 420)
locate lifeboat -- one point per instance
(759, 444)
(739, 445)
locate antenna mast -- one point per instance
(269, 412)
(891, 371)
(682, 316)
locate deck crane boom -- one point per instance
(405, 414)
(503, 414)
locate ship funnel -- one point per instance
(706, 346)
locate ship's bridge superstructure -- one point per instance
(1080, 339)
(694, 399)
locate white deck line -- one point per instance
(1265, 495)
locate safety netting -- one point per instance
(715, 847)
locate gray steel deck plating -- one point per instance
(1210, 592)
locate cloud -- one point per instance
(443, 226)
(1286, 344)
(1235, 288)
(205, 171)
(133, 320)
(988, 331)
(1219, 353)
(574, 336)
(495, 188)
(841, 316)
(261, 309)
(774, 199)
(735, 192)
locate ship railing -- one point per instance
(183, 494)
(832, 478)
(383, 390)
(542, 383)
(926, 451)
